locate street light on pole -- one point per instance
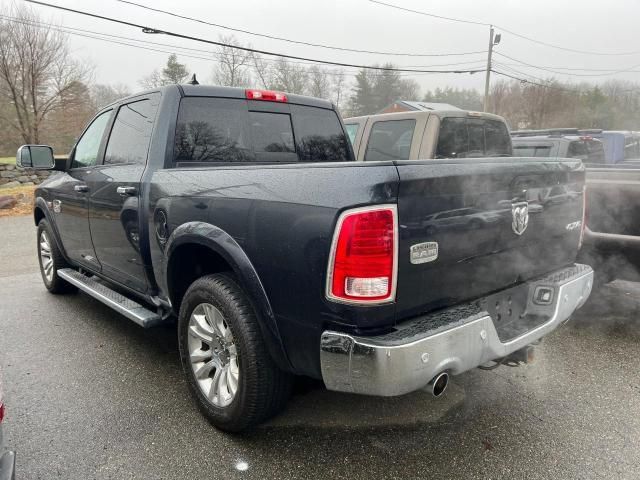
(493, 40)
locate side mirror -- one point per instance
(38, 157)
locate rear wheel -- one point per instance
(51, 260)
(230, 373)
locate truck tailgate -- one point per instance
(464, 231)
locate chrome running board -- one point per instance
(121, 304)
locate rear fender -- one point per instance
(223, 244)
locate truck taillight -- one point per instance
(363, 258)
(583, 225)
(1, 411)
(266, 95)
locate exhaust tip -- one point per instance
(439, 384)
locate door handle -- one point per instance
(81, 188)
(126, 191)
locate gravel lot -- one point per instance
(92, 395)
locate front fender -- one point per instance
(43, 205)
(223, 244)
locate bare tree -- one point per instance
(289, 77)
(233, 69)
(36, 70)
(262, 70)
(319, 82)
(338, 87)
(102, 95)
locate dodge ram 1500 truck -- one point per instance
(245, 214)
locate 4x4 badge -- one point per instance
(520, 213)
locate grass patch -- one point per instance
(8, 160)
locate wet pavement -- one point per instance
(91, 395)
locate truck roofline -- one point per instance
(225, 92)
(438, 113)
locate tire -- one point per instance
(51, 260)
(262, 389)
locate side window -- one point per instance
(577, 149)
(86, 151)
(131, 134)
(390, 140)
(596, 152)
(352, 131)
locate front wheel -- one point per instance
(230, 373)
(51, 260)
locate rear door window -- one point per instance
(390, 140)
(224, 130)
(131, 134)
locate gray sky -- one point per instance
(586, 25)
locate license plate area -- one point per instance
(512, 313)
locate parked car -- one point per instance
(280, 254)
(558, 145)
(7, 457)
(619, 146)
(428, 134)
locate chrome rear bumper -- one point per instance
(453, 340)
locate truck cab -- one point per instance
(435, 134)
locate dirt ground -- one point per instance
(24, 196)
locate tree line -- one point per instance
(47, 95)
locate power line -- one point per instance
(298, 42)
(176, 48)
(534, 40)
(609, 72)
(524, 80)
(147, 29)
(433, 15)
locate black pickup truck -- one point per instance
(244, 214)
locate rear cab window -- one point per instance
(473, 137)
(227, 130)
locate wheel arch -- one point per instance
(196, 249)
(41, 211)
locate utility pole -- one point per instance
(492, 42)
